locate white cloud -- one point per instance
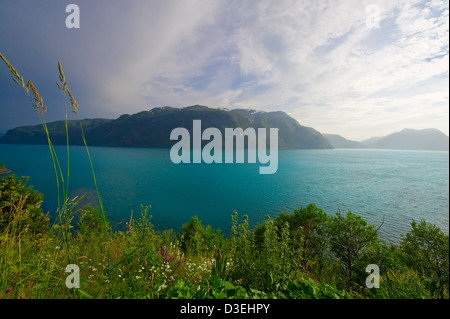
(316, 60)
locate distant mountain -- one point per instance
(409, 139)
(152, 128)
(371, 140)
(341, 142)
(35, 134)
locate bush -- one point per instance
(348, 236)
(195, 238)
(425, 248)
(403, 284)
(91, 223)
(306, 232)
(20, 207)
(261, 259)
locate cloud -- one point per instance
(316, 60)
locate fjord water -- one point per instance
(393, 185)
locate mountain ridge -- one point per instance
(152, 128)
(407, 139)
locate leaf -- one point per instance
(85, 294)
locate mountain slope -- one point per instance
(341, 142)
(409, 139)
(152, 128)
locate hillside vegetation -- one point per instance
(152, 128)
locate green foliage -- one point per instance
(213, 288)
(306, 232)
(91, 223)
(348, 236)
(306, 288)
(20, 207)
(217, 288)
(425, 248)
(404, 284)
(262, 259)
(143, 230)
(195, 238)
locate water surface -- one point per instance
(395, 185)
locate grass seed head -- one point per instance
(73, 102)
(17, 78)
(62, 78)
(38, 101)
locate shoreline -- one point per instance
(4, 170)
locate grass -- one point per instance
(132, 264)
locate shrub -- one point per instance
(91, 223)
(195, 238)
(403, 284)
(425, 248)
(262, 259)
(306, 232)
(348, 236)
(20, 207)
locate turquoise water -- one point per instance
(396, 185)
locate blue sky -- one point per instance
(319, 61)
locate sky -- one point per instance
(355, 68)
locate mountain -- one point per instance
(152, 128)
(371, 140)
(35, 134)
(409, 139)
(341, 142)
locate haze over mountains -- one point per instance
(407, 139)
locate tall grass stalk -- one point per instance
(100, 203)
(65, 206)
(64, 212)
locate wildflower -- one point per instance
(138, 277)
(8, 290)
